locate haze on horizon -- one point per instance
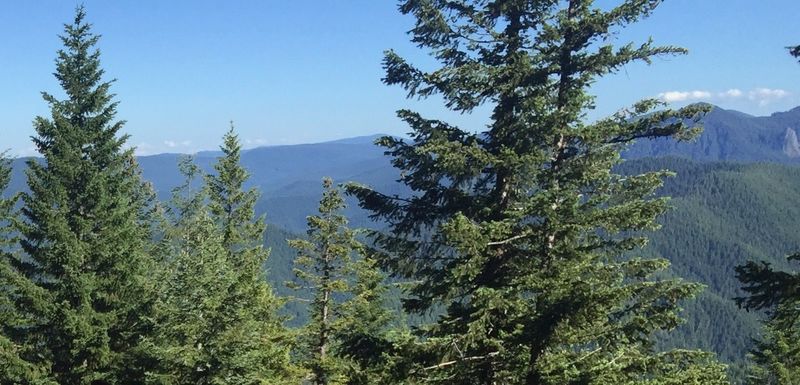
(300, 72)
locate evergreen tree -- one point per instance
(777, 355)
(233, 210)
(343, 340)
(196, 282)
(251, 299)
(82, 283)
(523, 238)
(217, 315)
(362, 332)
(13, 368)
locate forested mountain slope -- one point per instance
(724, 214)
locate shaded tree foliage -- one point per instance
(346, 334)
(83, 293)
(776, 355)
(218, 320)
(516, 235)
(13, 368)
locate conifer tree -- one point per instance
(218, 315)
(83, 279)
(777, 355)
(233, 210)
(344, 339)
(195, 285)
(13, 368)
(523, 238)
(251, 298)
(364, 333)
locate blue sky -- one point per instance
(307, 71)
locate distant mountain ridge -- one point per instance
(733, 136)
(289, 175)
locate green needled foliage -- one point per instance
(82, 287)
(521, 238)
(345, 337)
(218, 321)
(13, 368)
(195, 281)
(777, 355)
(251, 300)
(233, 208)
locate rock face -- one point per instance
(790, 145)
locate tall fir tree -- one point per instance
(522, 237)
(12, 367)
(83, 286)
(218, 315)
(233, 209)
(345, 335)
(251, 299)
(195, 283)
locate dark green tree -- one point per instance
(234, 207)
(86, 292)
(364, 333)
(13, 368)
(345, 336)
(217, 314)
(196, 282)
(251, 302)
(522, 238)
(777, 355)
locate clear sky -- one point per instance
(309, 70)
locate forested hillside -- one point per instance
(724, 215)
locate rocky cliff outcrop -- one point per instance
(790, 145)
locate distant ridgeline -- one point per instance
(733, 136)
(735, 198)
